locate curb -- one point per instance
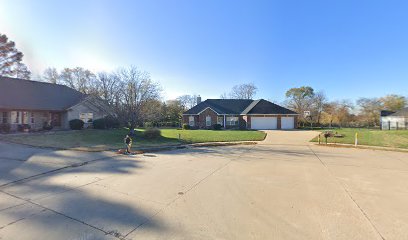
(344, 145)
(144, 149)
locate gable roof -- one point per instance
(239, 106)
(221, 106)
(20, 94)
(266, 107)
(401, 113)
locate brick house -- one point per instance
(39, 103)
(240, 113)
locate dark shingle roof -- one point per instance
(221, 106)
(32, 95)
(266, 107)
(401, 113)
(385, 113)
(239, 106)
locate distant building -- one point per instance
(394, 120)
(240, 113)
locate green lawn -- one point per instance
(396, 139)
(112, 139)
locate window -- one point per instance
(16, 117)
(31, 117)
(25, 117)
(86, 117)
(191, 121)
(4, 117)
(208, 121)
(220, 120)
(232, 121)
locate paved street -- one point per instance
(283, 188)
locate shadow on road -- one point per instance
(39, 185)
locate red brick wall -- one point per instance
(186, 119)
(203, 115)
(244, 121)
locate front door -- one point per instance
(56, 119)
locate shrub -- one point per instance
(186, 126)
(5, 128)
(112, 122)
(47, 126)
(22, 127)
(152, 133)
(99, 123)
(76, 124)
(217, 126)
(242, 127)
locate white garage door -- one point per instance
(288, 123)
(264, 123)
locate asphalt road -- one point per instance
(284, 188)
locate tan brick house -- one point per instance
(39, 103)
(240, 113)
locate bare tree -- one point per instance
(79, 79)
(188, 101)
(137, 89)
(243, 91)
(107, 86)
(11, 60)
(50, 75)
(224, 95)
(317, 105)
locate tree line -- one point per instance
(365, 112)
(137, 100)
(132, 94)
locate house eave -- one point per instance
(253, 114)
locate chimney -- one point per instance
(198, 99)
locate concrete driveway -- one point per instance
(281, 189)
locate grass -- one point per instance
(396, 139)
(113, 139)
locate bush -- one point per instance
(112, 122)
(186, 126)
(217, 126)
(5, 128)
(76, 124)
(152, 133)
(47, 126)
(22, 127)
(99, 123)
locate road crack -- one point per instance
(348, 194)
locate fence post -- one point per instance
(179, 136)
(356, 140)
(397, 125)
(319, 139)
(389, 125)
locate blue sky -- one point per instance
(348, 49)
